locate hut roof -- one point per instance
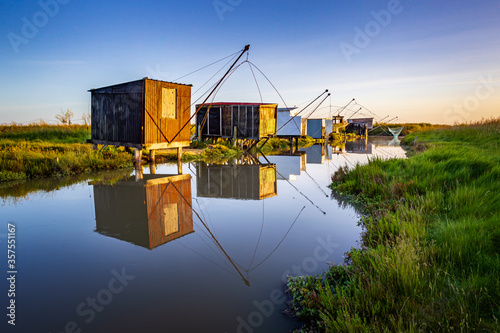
(238, 103)
(145, 78)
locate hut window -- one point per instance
(168, 103)
(171, 219)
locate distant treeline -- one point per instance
(381, 128)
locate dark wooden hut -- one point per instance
(368, 122)
(253, 121)
(359, 126)
(141, 114)
(149, 212)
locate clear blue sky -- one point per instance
(424, 61)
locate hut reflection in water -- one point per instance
(148, 212)
(236, 181)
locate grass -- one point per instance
(408, 128)
(39, 150)
(40, 132)
(430, 254)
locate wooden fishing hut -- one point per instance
(338, 123)
(150, 212)
(289, 126)
(143, 114)
(318, 128)
(359, 126)
(237, 181)
(252, 121)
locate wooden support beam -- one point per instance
(139, 172)
(152, 155)
(152, 167)
(138, 155)
(94, 146)
(179, 160)
(235, 136)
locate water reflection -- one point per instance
(147, 212)
(206, 247)
(359, 146)
(236, 180)
(315, 154)
(288, 166)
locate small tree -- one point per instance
(86, 118)
(65, 116)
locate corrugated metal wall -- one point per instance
(268, 117)
(117, 113)
(158, 129)
(252, 121)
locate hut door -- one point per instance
(169, 103)
(171, 219)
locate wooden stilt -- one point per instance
(138, 155)
(152, 167)
(139, 172)
(94, 146)
(152, 154)
(179, 160)
(235, 136)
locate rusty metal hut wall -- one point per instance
(142, 114)
(162, 120)
(253, 121)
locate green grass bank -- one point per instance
(430, 254)
(40, 150)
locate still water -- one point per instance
(205, 251)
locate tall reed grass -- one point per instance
(430, 255)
